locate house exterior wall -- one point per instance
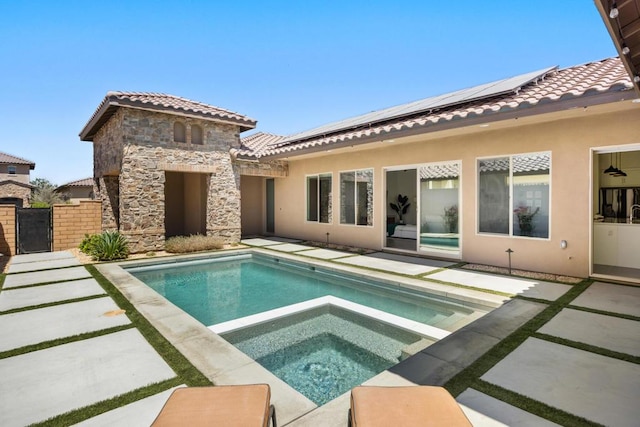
(11, 189)
(253, 205)
(569, 137)
(138, 147)
(21, 175)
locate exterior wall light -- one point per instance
(563, 244)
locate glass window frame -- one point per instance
(356, 195)
(318, 201)
(12, 170)
(512, 208)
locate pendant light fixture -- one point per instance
(610, 169)
(619, 172)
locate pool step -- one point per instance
(416, 347)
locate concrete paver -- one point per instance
(411, 259)
(588, 385)
(24, 297)
(42, 256)
(42, 265)
(485, 411)
(509, 285)
(260, 242)
(326, 254)
(289, 247)
(387, 265)
(140, 413)
(24, 279)
(38, 385)
(60, 321)
(609, 297)
(612, 333)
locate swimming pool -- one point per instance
(254, 290)
(222, 289)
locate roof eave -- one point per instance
(487, 117)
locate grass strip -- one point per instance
(532, 406)
(35, 285)
(604, 312)
(186, 371)
(588, 347)
(60, 341)
(77, 415)
(51, 304)
(468, 376)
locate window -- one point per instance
(196, 134)
(179, 132)
(356, 197)
(513, 195)
(319, 198)
(11, 169)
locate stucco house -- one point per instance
(14, 180)
(75, 191)
(543, 166)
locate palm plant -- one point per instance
(401, 207)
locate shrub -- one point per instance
(193, 243)
(108, 246)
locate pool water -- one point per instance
(220, 290)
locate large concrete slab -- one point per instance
(326, 254)
(612, 333)
(483, 410)
(412, 259)
(42, 265)
(60, 321)
(388, 265)
(140, 413)
(39, 385)
(514, 286)
(25, 297)
(598, 388)
(42, 256)
(613, 298)
(260, 242)
(289, 247)
(33, 278)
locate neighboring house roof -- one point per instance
(545, 91)
(160, 102)
(21, 184)
(622, 20)
(86, 182)
(14, 160)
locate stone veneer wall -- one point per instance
(8, 230)
(139, 144)
(10, 189)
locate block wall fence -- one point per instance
(70, 224)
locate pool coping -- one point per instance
(223, 364)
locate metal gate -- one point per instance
(33, 230)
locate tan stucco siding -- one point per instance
(569, 140)
(253, 204)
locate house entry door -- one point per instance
(33, 230)
(271, 226)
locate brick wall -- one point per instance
(72, 222)
(8, 230)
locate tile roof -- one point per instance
(14, 160)
(256, 143)
(86, 182)
(554, 91)
(160, 102)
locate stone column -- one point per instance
(223, 201)
(107, 190)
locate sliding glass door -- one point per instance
(439, 190)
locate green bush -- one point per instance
(108, 246)
(193, 243)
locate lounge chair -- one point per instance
(235, 405)
(404, 406)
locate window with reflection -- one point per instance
(513, 195)
(439, 206)
(356, 197)
(319, 198)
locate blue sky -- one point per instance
(292, 65)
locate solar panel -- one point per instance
(486, 90)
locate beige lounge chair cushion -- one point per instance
(405, 406)
(236, 405)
